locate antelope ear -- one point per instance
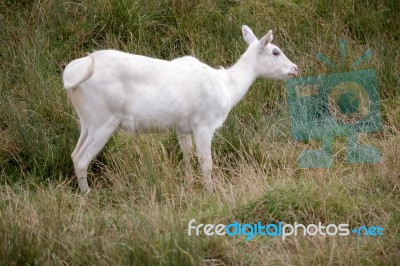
(248, 34)
(266, 40)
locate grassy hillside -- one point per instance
(139, 207)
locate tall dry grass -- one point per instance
(139, 207)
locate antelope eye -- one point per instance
(275, 52)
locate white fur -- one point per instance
(111, 89)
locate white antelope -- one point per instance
(111, 89)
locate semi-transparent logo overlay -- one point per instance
(342, 104)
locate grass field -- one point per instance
(139, 207)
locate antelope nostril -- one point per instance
(294, 70)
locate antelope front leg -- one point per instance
(203, 146)
(185, 142)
